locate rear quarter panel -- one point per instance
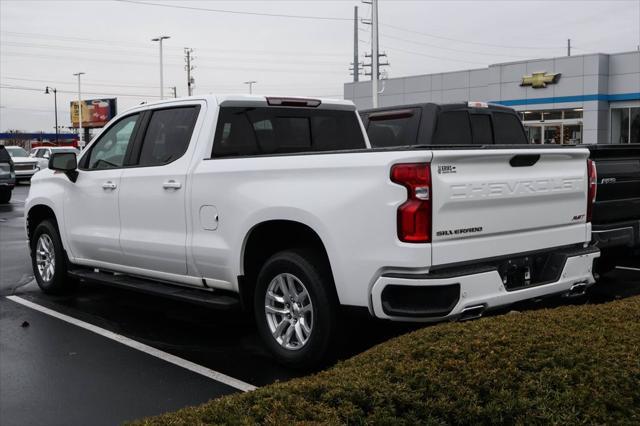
(346, 198)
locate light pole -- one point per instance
(55, 105)
(159, 39)
(250, 83)
(80, 141)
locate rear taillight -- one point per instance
(414, 215)
(592, 174)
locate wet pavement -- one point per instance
(53, 372)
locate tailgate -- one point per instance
(494, 202)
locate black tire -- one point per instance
(313, 272)
(605, 264)
(5, 196)
(58, 283)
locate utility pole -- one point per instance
(250, 83)
(175, 91)
(159, 39)
(375, 52)
(568, 47)
(188, 58)
(80, 139)
(55, 105)
(375, 72)
(356, 70)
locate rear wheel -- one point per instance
(296, 307)
(48, 259)
(5, 196)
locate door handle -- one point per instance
(172, 184)
(109, 185)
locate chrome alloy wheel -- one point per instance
(289, 311)
(45, 257)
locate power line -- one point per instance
(38, 89)
(287, 70)
(477, 43)
(147, 47)
(103, 84)
(236, 12)
(121, 52)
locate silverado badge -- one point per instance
(538, 80)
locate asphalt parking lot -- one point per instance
(104, 356)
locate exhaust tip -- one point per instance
(472, 312)
(576, 290)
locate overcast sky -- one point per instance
(44, 42)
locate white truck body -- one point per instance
(188, 222)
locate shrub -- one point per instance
(574, 364)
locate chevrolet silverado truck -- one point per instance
(615, 216)
(279, 206)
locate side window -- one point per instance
(168, 135)
(254, 131)
(109, 151)
(40, 153)
(453, 128)
(235, 134)
(508, 129)
(481, 129)
(394, 128)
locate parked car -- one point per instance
(615, 216)
(25, 167)
(279, 206)
(7, 176)
(43, 153)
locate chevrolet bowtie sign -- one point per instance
(538, 80)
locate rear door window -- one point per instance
(393, 128)
(508, 129)
(168, 135)
(259, 131)
(453, 128)
(481, 129)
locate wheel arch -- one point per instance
(281, 234)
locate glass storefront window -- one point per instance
(625, 125)
(552, 115)
(532, 116)
(554, 126)
(634, 125)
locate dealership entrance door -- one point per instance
(553, 127)
(562, 132)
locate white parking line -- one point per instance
(628, 268)
(212, 374)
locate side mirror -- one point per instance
(65, 162)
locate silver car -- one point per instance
(25, 166)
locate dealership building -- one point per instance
(591, 98)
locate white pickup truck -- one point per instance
(280, 206)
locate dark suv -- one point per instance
(7, 176)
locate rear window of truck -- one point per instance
(249, 131)
(464, 128)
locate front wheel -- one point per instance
(48, 259)
(296, 307)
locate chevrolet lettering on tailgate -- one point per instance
(514, 188)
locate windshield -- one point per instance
(16, 151)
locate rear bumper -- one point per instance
(474, 289)
(622, 234)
